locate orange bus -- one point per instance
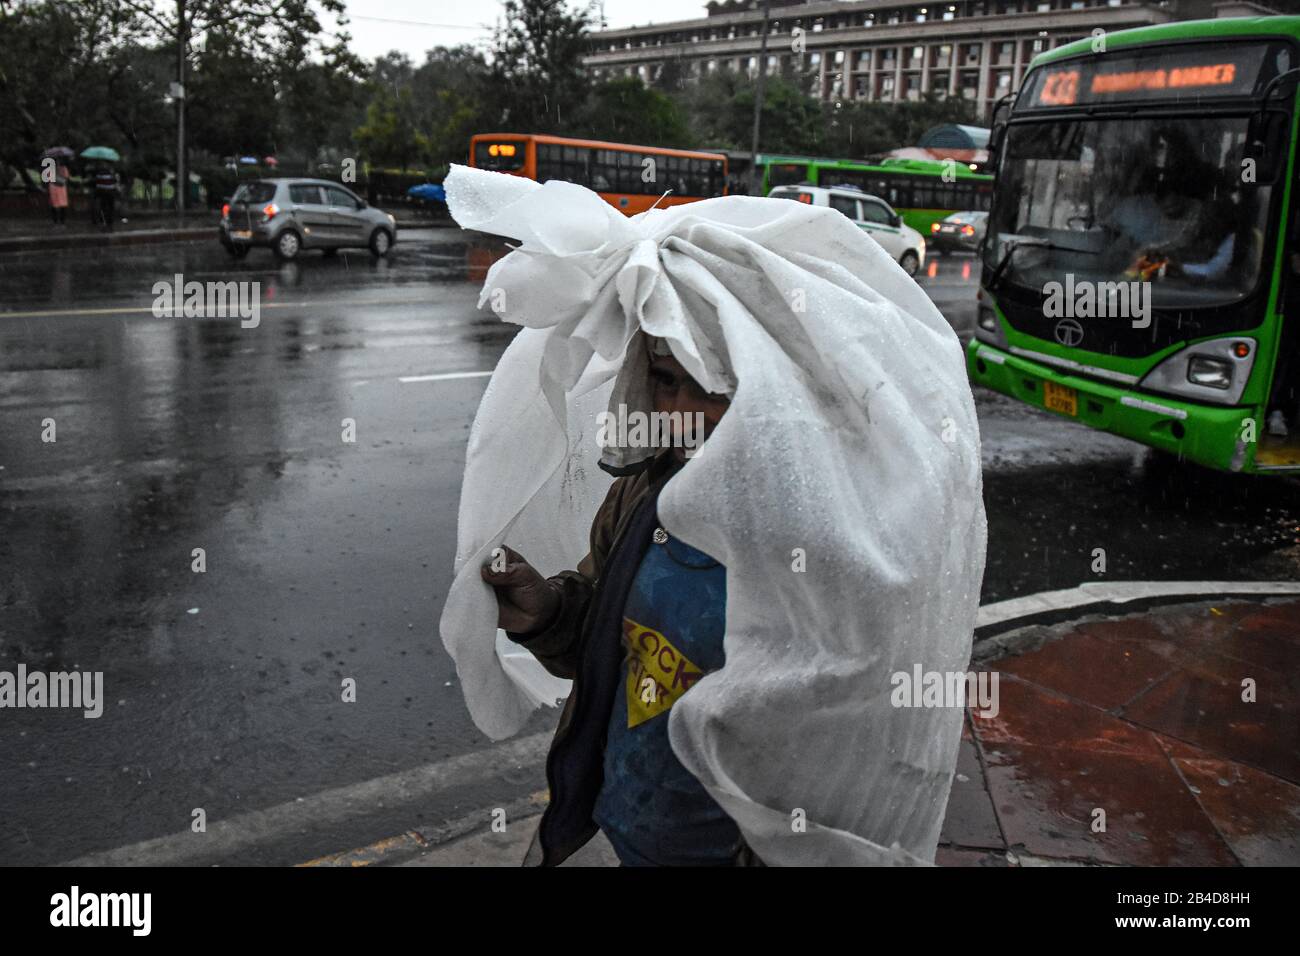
(629, 178)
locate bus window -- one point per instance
(568, 163)
(784, 174)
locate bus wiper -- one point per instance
(1005, 261)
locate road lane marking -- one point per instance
(441, 377)
(148, 310)
(246, 831)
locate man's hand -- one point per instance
(525, 601)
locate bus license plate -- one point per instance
(1060, 398)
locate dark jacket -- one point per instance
(582, 644)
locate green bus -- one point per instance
(918, 189)
(1141, 270)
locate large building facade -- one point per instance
(881, 50)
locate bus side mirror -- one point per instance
(998, 128)
(1264, 153)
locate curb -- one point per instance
(1053, 607)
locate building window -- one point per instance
(950, 13)
(864, 59)
(839, 57)
(814, 59)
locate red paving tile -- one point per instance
(1256, 813)
(1054, 762)
(1210, 713)
(1142, 717)
(1093, 668)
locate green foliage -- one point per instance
(625, 110)
(537, 72)
(264, 77)
(391, 134)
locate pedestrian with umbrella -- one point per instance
(55, 173)
(106, 185)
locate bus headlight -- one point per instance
(1209, 372)
(988, 328)
(1215, 371)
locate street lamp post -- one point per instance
(180, 112)
(756, 180)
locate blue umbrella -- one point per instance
(101, 152)
(428, 192)
(248, 160)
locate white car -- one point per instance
(871, 214)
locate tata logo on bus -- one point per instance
(1068, 332)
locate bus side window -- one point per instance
(603, 173)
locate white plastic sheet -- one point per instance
(851, 445)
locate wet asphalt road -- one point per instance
(327, 560)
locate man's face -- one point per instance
(675, 391)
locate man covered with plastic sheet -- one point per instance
(829, 534)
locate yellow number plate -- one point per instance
(1059, 398)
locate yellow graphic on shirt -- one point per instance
(657, 673)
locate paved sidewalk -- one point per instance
(1135, 722)
(1140, 717)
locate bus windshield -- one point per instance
(1156, 199)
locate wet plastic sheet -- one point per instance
(841, 490)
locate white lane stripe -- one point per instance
(1121, 592)
(442, 377)
(148, 309)
(415, 787)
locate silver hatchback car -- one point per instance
(289, 215)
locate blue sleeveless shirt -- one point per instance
(654, 812)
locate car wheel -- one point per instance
(380, 243)
(910, 262)
(287, 245)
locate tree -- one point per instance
(391, 134)
(625, 110)
(537, 70)
(67, 77)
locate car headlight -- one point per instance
(392, 219)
